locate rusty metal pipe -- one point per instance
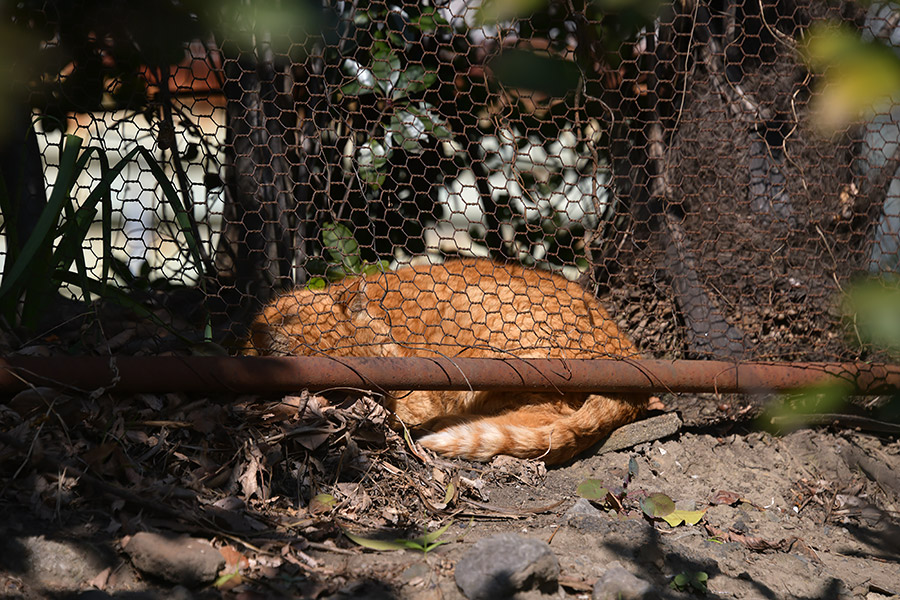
(270, 374)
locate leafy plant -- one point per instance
(424, 543)
(33, 276)
(871, 311)
(858, 76)
(690, 582)
(654, 506)
(660, 506)
(593, 489)
(344, 257)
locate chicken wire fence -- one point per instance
(667, 157)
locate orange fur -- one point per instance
(468, 308)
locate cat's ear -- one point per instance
(353, 298)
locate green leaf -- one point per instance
(322, 503)
(373, 179)
(531, 71)
(71, 247)
(385, 67)
(448, 495)
(341, 246)
(412, 80)
(858, 76)
(495, 11)
(182, 219)
(316, 283)
(355, 88)
(225, 578)
(407, 131)
(873, 307)
(325, 500)
(381, 266)
(592, 489)
(432, 122)
(429, 538)
(373, 155)
(41, 235)
(632, 468)
(690, 581)
(657, 505)
(381, 545)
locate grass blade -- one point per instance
(380, 545)
(429, 538)
(181, 217)
(40, 239)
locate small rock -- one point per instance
(179, 592)
(501, 565)
(416, 573)
(618, 584)
(52, 564)
(647, 430)
(92, 595)
(183, 560)
(583, 508)
(371, 590)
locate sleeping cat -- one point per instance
(465, 308)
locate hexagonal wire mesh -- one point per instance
(665, 156)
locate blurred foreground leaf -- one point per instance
(495, 11)
(531, 71)
(424, 543)
(857, 76)
(873, 308)
(799, 409)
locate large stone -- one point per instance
(502, 565)
(178, 559)
(53, 564)
(618, 584)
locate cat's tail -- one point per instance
(537, 430)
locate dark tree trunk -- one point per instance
(260, 244)
(23, 173)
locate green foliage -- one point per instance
(660, 506)
(690, 582)
(798, 408)
(495, 11)
(592, 489)
(322, 503)
(872, 308)
(344, 258)
(424, 543)
(653, 506)
(385, 69)
(534, 71)
(871, 311)
(35, 275)
(858, 76)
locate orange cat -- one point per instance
(466, 308)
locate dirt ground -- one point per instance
(275, 485)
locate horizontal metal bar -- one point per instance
(276, 374)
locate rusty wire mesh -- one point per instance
(663, 156)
